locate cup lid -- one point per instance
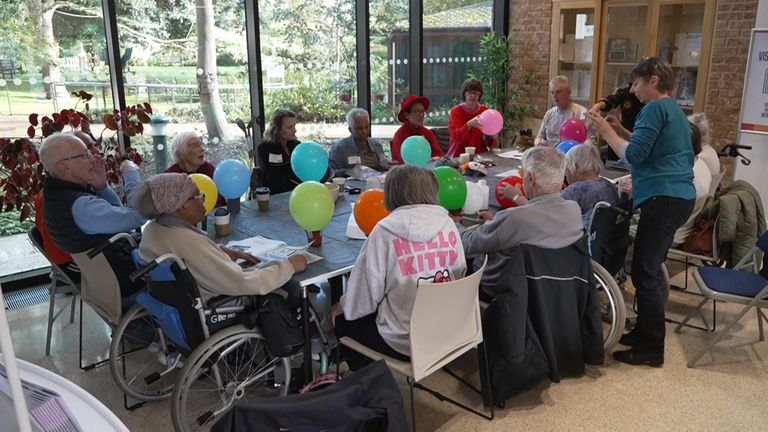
(221, 211)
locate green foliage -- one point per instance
(10, 225)
(493, 73)
(316, 102)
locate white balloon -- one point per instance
(474, 199)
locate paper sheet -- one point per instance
(512, 172)
(272, 250)
(354, 231)
(512, 154)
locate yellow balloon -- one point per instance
(208, 188)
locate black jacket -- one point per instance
(545, 319)
(367, 401)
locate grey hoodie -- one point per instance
(412, 242)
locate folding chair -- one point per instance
(60, 283)
(734, 286)
(445, 323)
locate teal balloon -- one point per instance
(416, 151)
(232, 178)
(309, 161)
(311, 205)
(453, 189)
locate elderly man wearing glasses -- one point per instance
(80, 210)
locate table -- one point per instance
(338, 251)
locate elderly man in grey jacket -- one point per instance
(546, 220)
(349, 155)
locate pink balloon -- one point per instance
(573, 129)
(491, 122)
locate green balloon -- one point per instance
(453, 188)
(311, 205)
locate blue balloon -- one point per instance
(232, 178)
(416, 151)
(309, 161)
(566, 145)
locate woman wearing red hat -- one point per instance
(412, 113)
(463, 123)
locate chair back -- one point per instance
(59, 275)
(445, 322)
(716, 178)
(99, 286)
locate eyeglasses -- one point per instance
(418, 112)
(85, 155)
(199, 197)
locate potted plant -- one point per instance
(21, 173)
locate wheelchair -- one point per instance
(608, 240)
(205, 356)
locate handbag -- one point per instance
(279, 325)
(699, 241)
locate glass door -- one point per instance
(625, 28)
(680, 36)
(574, 29)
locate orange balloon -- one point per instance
(369, 209)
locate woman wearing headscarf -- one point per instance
(175, 205)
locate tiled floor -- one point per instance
(726, 391)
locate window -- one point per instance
(390, 68)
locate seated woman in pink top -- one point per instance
(463, 123)
(412, 113)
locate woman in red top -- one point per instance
(412, 113)
(463, 124)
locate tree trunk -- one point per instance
(50, 66)
(207, 81)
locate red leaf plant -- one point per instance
(21, 173)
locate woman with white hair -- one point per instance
(585, 186)
(708, 154)
(188, 155)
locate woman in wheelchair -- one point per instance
(417, 240)
(175, 205)
(585, 186)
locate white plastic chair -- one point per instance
(445, 323)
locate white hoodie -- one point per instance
(412, 242)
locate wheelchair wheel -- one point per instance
(612, 309)
(231, 366)
(141, 362)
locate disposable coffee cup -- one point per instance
(471, 152)
(315, 237)
(464, 158)
(262, 197)
(221, 222)
(341, 181)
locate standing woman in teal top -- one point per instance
(659, 150)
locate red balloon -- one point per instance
(512, 180)
(369, 209)
(573, 129)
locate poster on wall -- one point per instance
(754, 114)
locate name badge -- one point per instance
(354, 160)
(275, 158)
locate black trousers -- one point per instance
(660, 217)
(363, 330)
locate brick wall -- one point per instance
(530, 25)
(734, 20)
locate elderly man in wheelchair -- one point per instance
(206, 332)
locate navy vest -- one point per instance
(59, 197)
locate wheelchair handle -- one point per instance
(155, 262)
(144, 270)
(100, 248)
(732, 150)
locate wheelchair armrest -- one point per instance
(219, 301)
(98, 249)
